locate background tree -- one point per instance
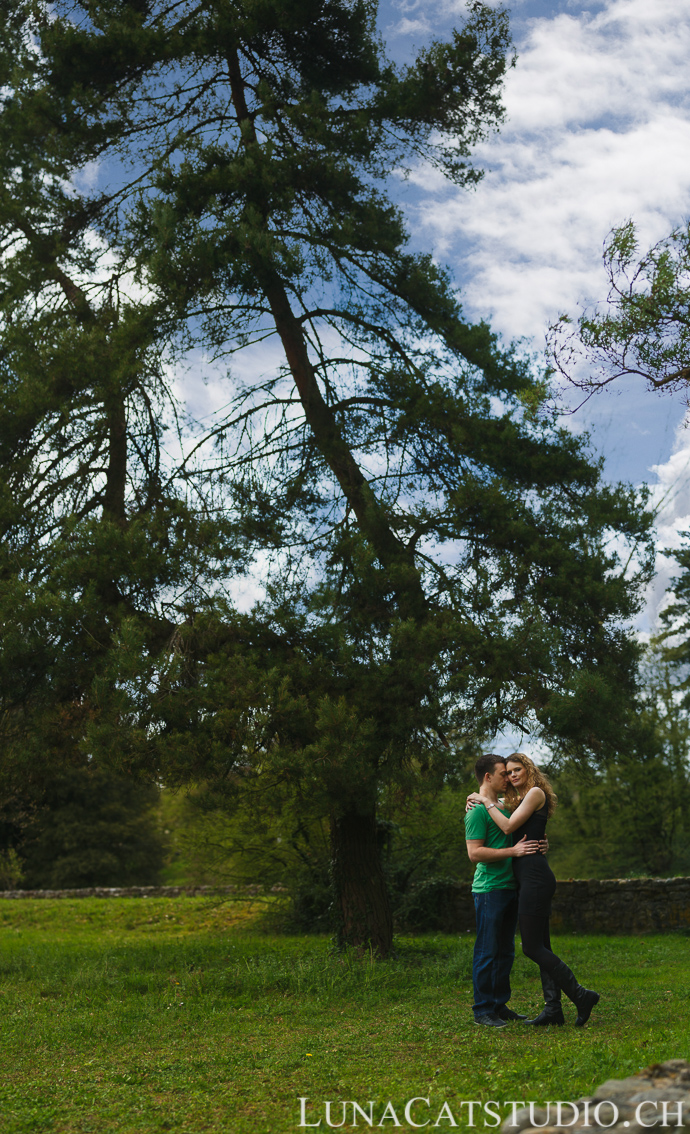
(83, 826)
(643, 328)
(286, 851)
(433, 556)
(633, 812)
(630, 817)
(97, 529)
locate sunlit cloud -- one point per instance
(407, 26)
(670, 497)
(598, 131)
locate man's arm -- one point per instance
(478, 852)
(474, 801)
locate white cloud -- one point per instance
(671, 497)
(407, 26)
(598, 131)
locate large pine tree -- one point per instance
(432, 556)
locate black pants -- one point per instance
(536, 942)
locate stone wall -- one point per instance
(622, 905)
(144, 892)
(613, 905)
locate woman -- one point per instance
(531, 801)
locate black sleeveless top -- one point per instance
(534, 827)
(535, 878)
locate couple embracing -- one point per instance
(505, 828)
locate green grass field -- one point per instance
(159, 1015)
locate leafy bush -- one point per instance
(84, 826)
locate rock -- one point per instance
(657, 1096)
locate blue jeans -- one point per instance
(494, 949)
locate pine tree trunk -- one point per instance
(362, 907)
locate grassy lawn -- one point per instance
(159, 1015)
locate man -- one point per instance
(495, 897)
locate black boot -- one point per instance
(583, 998)
(551, 1013)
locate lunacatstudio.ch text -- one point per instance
(420, 1111)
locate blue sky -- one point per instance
(598, 131)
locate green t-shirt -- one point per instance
(489, 875)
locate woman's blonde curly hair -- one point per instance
(535, 778)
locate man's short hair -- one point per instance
(487, 763)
